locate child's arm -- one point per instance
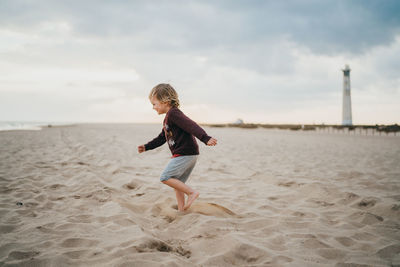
(156, 142)
(188, 125)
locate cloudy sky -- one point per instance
(262, 61)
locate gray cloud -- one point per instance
(323, 26)
(258, 55)
(243, 34)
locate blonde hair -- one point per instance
(165, 93)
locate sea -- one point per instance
(27, 125)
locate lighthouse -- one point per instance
(346, 112)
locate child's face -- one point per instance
(160, 107)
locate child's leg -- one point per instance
(180, 198)
(178, 185)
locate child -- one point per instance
(178, 131)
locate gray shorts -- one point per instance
(179, 168)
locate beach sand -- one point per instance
(82, 196)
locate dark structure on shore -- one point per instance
(362, 129)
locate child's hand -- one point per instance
(141, 149)
(212, 142)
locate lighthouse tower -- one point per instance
(346, 114)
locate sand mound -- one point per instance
(210, 209)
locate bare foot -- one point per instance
(192, 197)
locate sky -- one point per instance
(261, 61)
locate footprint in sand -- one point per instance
(389, 252)
(345, 241)
(131, 186)
(21, 255)
(77, 254)
(366, 203)
(170, 213)
(78, 242)
(152, 245)
(211, 209)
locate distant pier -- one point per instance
(387, 130)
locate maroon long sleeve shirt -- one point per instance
(179, 132)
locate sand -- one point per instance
(82, 196)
